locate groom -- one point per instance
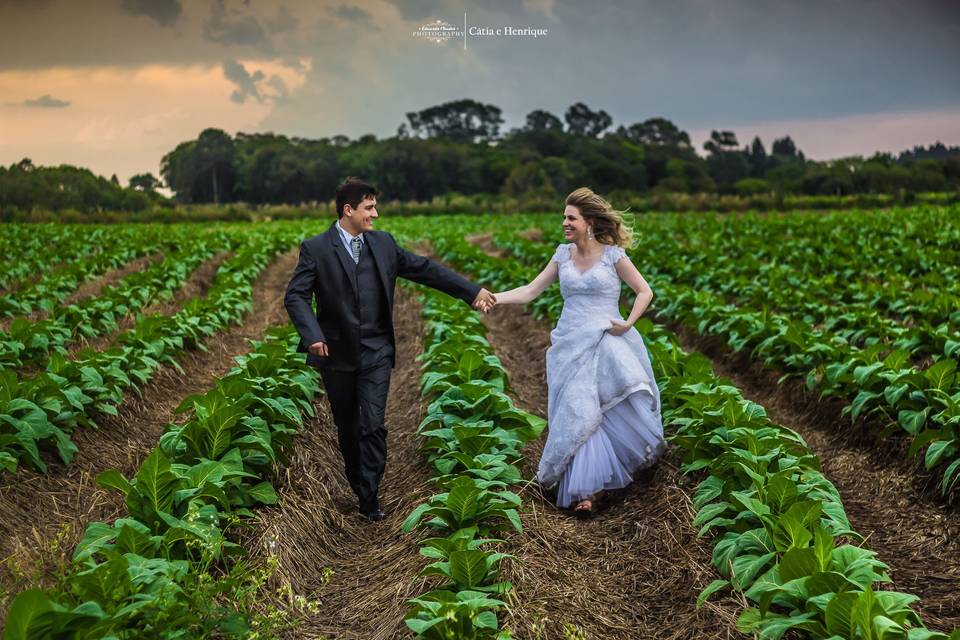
(351, 271)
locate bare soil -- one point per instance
(44, 515)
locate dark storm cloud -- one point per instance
(701, 63)
(245, 82)
(233, 27)
(708, 63)
(165, 12)
(420, 9)
(352, 14)
(46, 101)
(282, 22)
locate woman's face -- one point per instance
(574, 226)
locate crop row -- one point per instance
(473, 435)
(777, 522)
(879, 294)
(903, 263)
(168, 569)
(28, 343)
(34, 249)
(41, 411)
(922, 404)
(872, 296)
(112, 251)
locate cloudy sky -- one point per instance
(114, 84)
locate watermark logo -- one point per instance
(439, 31)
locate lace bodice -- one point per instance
(600, 282)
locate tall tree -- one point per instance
(725, 162)
(540, 120)
(202, 170)
(460, 121)
(785, 147)
(757, 155)
(145, 182)
(584, 121)
(215, 156)
(656, 132)
(178, 168)
(721, 141)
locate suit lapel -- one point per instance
(376, 249)
(336, 245)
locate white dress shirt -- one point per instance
(347, 240)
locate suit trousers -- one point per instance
(358, 400)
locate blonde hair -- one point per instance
(608, 224)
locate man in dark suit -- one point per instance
(351, 271)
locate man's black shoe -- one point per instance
(370, 509)
(375, 515)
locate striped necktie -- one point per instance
(356, 249)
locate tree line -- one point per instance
(27, 187)
(458, 148)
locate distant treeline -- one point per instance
(457, 147)
(25, 187)
(486, 204)
(458, 150)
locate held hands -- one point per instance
(619, 327)
(319, 349)
(485, 301)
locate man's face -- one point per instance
(361, 219)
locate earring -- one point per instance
(590, 232)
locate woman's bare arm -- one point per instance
(529, 292)
(629, 274)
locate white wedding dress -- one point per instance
(603, 407)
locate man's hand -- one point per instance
(319, 349)
(485, 301)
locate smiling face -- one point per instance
(574, 226)
(358, 220)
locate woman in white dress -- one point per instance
(603, 407)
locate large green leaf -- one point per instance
(468, 568)
(154, 488)
(463, 500)
(29, 616)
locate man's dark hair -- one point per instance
(353, 191)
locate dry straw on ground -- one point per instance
(43, 515)
(362, 573)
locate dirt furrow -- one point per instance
(196, 285)
(43, 516)
(362, 573)
(635, 569)
(884, 499)
(92, 288)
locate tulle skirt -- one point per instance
(628, 439)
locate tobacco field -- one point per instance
(169, 464)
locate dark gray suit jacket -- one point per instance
(325, 273)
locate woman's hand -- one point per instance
(619, 327)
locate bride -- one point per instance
(603, 407)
